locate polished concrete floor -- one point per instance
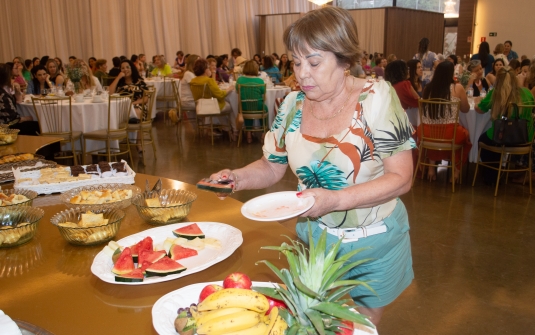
(473, 253)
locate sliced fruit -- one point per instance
(164, 267)
(143, 266)
(178, 252)
(116, 255)
(190, 232)
(150, 256)
(144, 244)
(132, 277)
(125, 263)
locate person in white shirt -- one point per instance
(186, 97)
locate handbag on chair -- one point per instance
(207, 106)
(511, 131)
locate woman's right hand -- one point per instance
(121, 75)
(224, 175)
(230, 88)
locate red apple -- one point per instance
(275, 303)
(237, 280)
(209, 289)
(346, 331)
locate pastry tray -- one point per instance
(6, 175)
(9, 166)
(69, 185)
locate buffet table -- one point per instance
(48, 282)
(28, 144)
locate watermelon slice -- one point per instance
(125, 263)
(132, 277)
(150, 256)
(144, 244)
(177, 252)
(189, 232)
(163, 267)
(144, 266)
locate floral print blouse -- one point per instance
(379, 129)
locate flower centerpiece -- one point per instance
(315, 287)
(74, 74)
(464, 78)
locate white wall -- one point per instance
(512, 20)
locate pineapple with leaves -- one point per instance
(314, 287)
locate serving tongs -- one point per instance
(156, 190)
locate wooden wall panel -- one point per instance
(404, 28)
(467, 10)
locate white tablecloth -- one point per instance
(159, 86)
(476, 124)
(271, 95)
(86, 117)
(472, 121)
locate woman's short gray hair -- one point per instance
(473, 64)
(327, 29)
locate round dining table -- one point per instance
(86, 116)
(472, 121)
(47, 282)
(163, 88)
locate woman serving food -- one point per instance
(348, 141)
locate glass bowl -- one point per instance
(174, 206)
(8, 136)
(27, 193)
(67, 196)
(89, 235)
(18, 225)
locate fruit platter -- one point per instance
(312, 299)
(166, 253)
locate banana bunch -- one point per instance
(235, 311)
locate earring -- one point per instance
(347, 72)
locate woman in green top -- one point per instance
(497, 101)
(162, 68)
(24, 71)
(250, 77)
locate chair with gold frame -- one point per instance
(120, 107)
(251, 104)
(167, 96)
(54, 115)
(180, 116)
(205, 121)
(506, 153)
(437, 117)
(145, 126)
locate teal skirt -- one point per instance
(389, 272)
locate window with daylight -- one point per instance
(450, 8)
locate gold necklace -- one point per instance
(338, 111)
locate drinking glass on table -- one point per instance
(373, 74)
(44, 92)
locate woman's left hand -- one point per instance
(325, 201)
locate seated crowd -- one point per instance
(491, 80)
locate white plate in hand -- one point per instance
(230, 237)
(276, 206)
